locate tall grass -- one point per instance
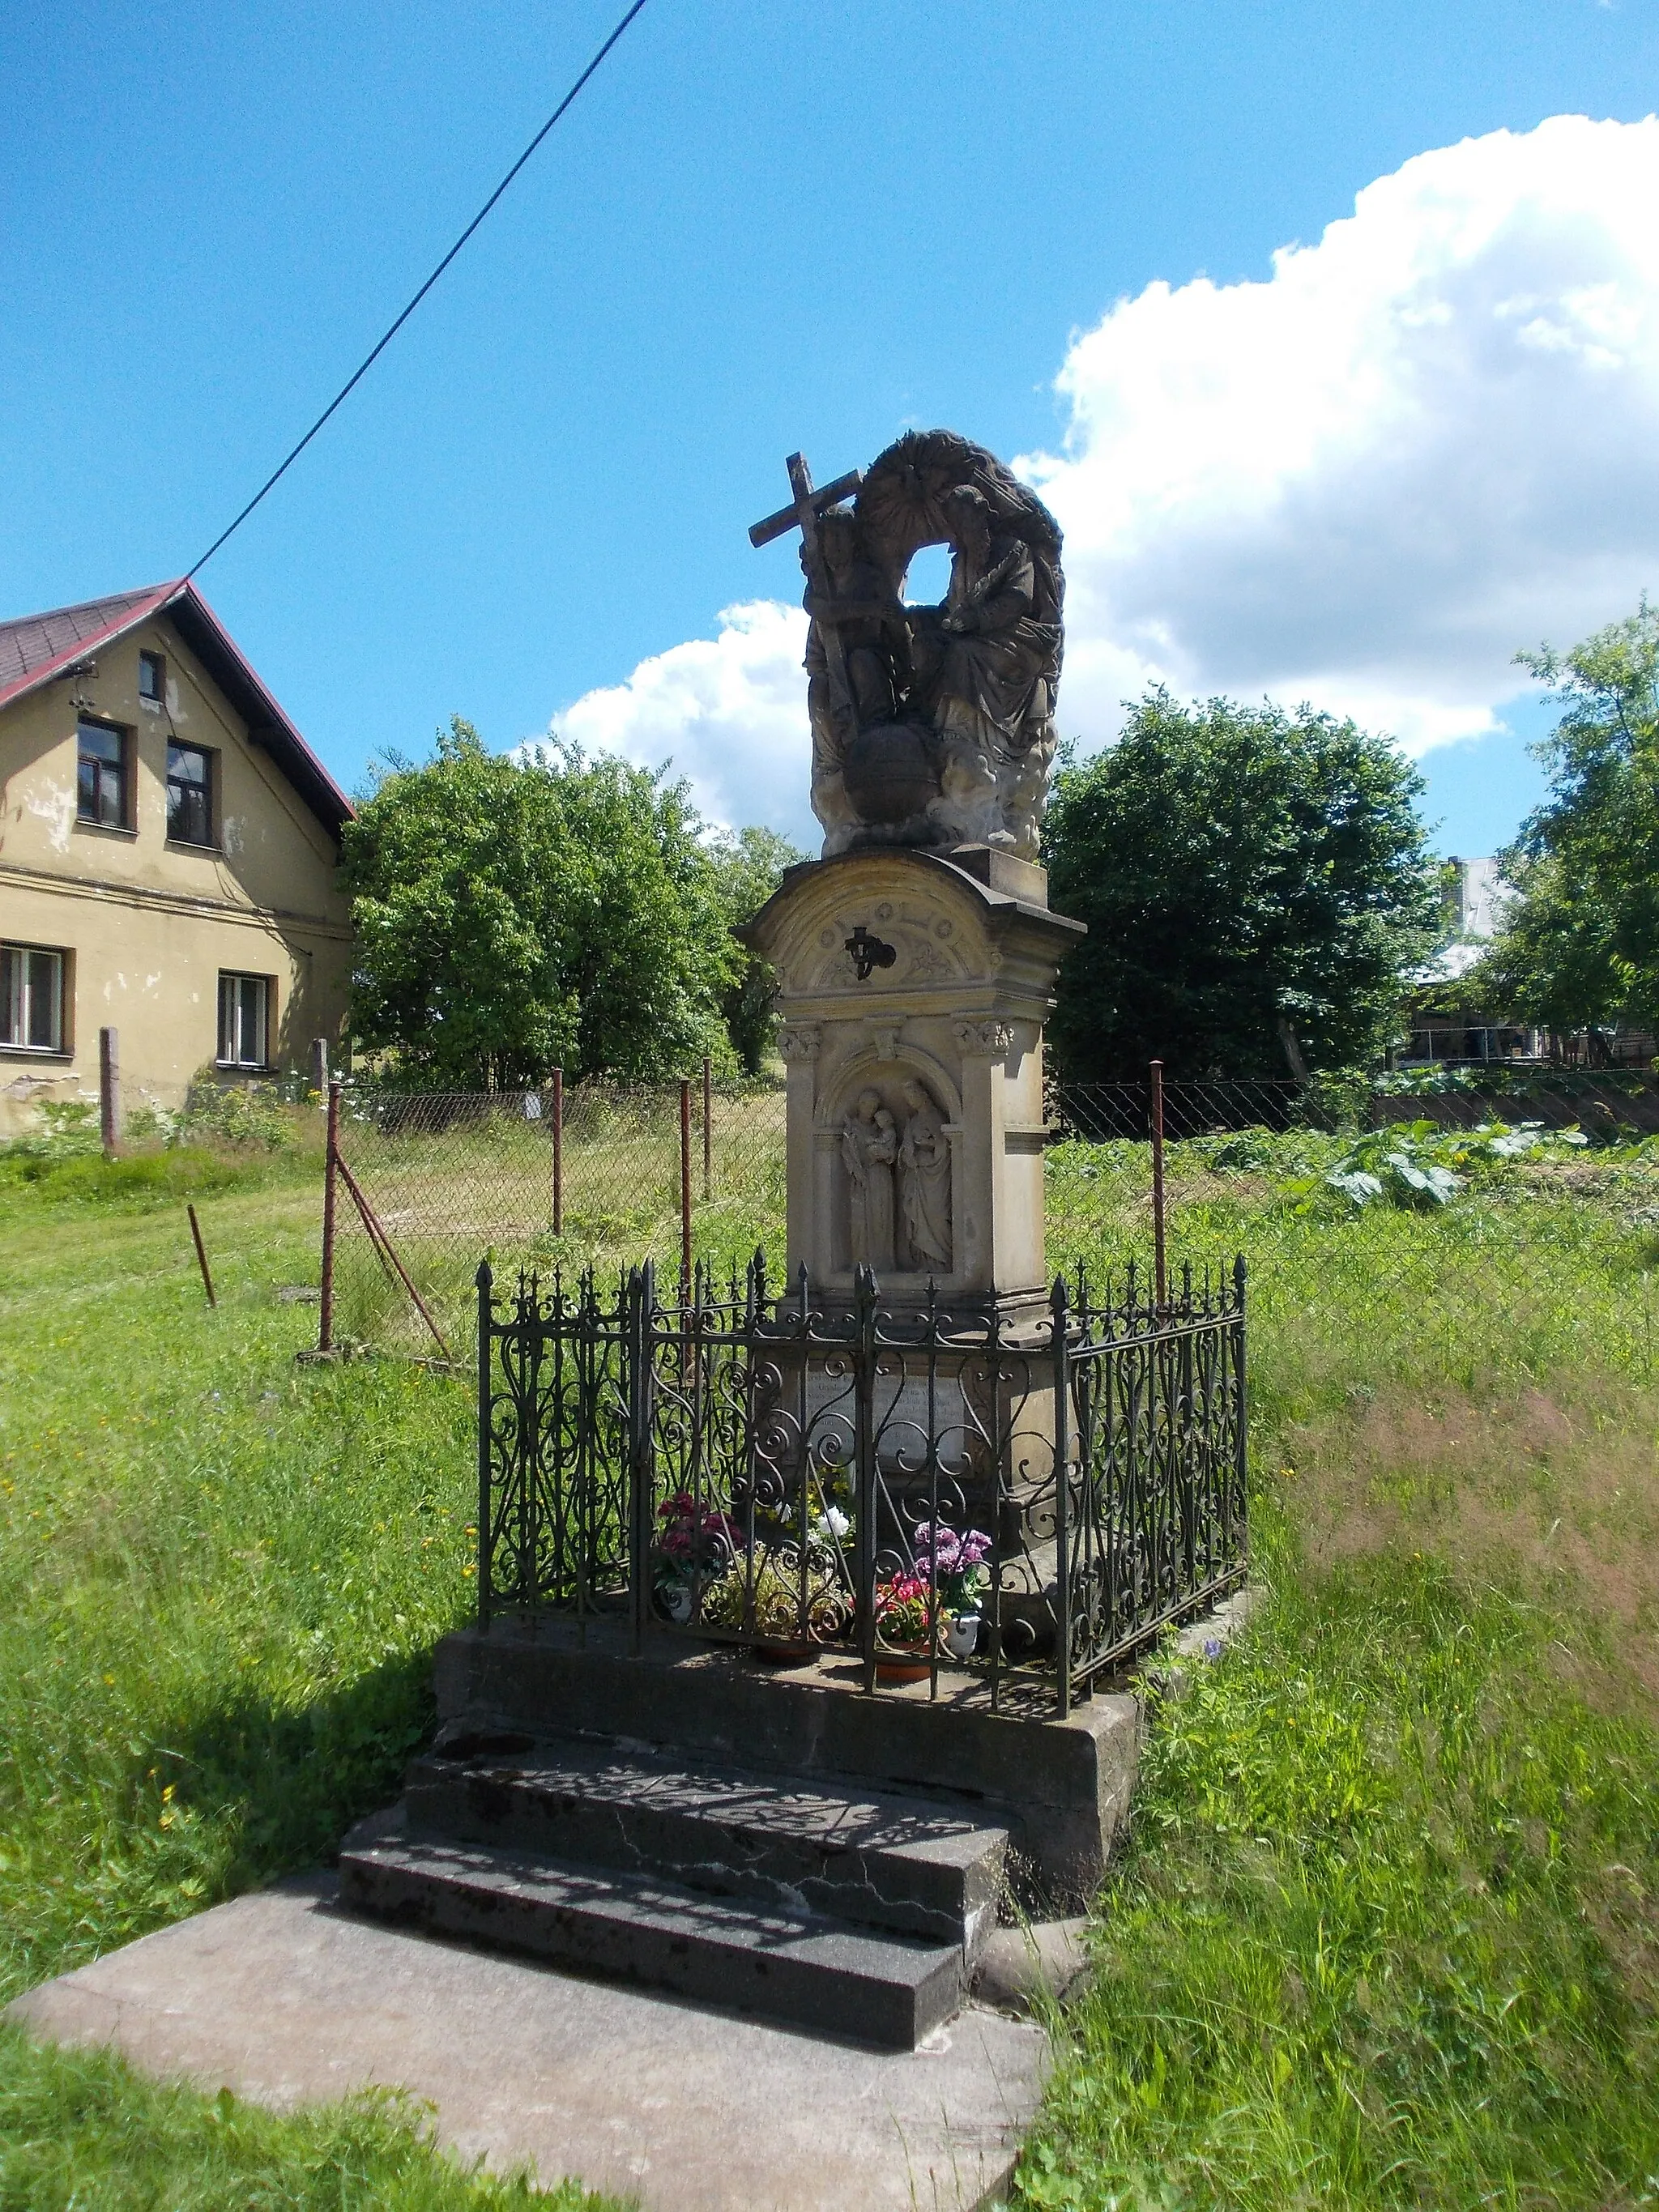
(1387, 1930)
(221, 1578)
(1385, 1934)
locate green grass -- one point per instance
(221, 1578)
(1386, 1933)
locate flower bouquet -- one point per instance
(697, 1545)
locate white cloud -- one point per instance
(1428, 439)
(730, 710)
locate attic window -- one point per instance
(101, 785)
(152, 682)
(189, 796)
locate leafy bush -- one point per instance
(246, 1114)
(1418, 1164)
(1254, 1151)
(69, 1130)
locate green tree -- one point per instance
(749, 866)
(518, 914)
(1257, 887)
(1580, 943)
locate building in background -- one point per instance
(1447, 1020)
(168, 855)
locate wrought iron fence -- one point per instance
(1030, 1496)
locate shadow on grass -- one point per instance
(293, 1779)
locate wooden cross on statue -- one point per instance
(803, 514)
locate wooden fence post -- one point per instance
(109, 1091)
(319, 1066)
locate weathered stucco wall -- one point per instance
(148, 925)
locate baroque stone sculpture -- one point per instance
(932, 726)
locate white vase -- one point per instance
(677, 1600)
(962, 1635)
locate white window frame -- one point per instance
(24, 980)
(234, 1040)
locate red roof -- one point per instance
(35, 649)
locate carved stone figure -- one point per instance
(924, 1165)
(932, 726)
(869, 1148)
(850, 596)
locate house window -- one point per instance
(152, 682)
(31, 997)
(189, 795)
(244, 1012)
(102, 780)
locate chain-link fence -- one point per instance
(429, 1184)
(1099, 1112)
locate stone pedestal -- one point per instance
(913, 989)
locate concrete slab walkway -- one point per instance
(286, 1999)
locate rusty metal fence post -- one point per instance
(558, 1151)
(685, 1186)
(707, 1135)
(1157, 1104)
(325, 1311)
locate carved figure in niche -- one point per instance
(932, 726)
(857, 661)
(924, 1165)
(869, 1148)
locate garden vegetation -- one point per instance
(1386, 1931)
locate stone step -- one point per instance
(1060, 1786)
(879, 1859)
(793, 1967)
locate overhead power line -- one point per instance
(370, 358)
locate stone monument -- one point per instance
(915, 961)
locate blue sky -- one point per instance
(763, 227)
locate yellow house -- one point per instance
(168, 847)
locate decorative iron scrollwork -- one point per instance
(918, 1489)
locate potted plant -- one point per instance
(904, 1614)
(954, 1567)
(770, 1604)
(696, 1547)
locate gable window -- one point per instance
(189, 795)
(102, 778)
(152, 682)
(244, 1015)
(31, 997)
